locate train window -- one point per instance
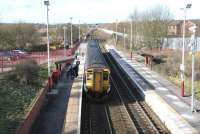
(89, 71)
(89, 76)
(105, 75)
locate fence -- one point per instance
(8, 62)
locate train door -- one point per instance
(97, 81)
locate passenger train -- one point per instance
(96, 75)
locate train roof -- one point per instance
(94, 57)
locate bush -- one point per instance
(27, 71)
(171, 65)
(33, 48)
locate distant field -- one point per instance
(15, 99)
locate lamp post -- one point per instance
(116, 32)
(124, 39)
(64, 41)
(46, 2)
(79, 31)
(182, 68)
(131, 45)
(194, 47)
(71, 33)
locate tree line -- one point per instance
(18, 36)
(27, 37)
(149, 27)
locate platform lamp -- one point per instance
(194, 49)
(71, 33)
(116, 32)
(79, 31)
(182, 68)
(131, 41)
(64, 28)
(124, 38)
(46, 2)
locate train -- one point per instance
(96, 72)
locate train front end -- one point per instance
(97, 84)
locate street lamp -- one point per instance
(116, 33)
(64, 41)
(79, 32)
(194, 49)
(131, 45)
(71, 33)
(182, 68)
(124, 39)
(46, 2)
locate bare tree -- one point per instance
(151, 25)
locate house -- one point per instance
(175, 27)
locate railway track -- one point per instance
(109, 117)
(125, 112)
(119, 116)
(144, 119)
(95, 119)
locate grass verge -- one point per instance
(176, 81)
(15, 99)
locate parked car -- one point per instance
(19, 53)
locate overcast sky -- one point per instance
(87, 11)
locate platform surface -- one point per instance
(73, 113)
(161, 95)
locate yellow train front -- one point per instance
(96, 78)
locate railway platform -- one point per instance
(72, 118)
(160, 94)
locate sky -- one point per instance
(87, 11)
